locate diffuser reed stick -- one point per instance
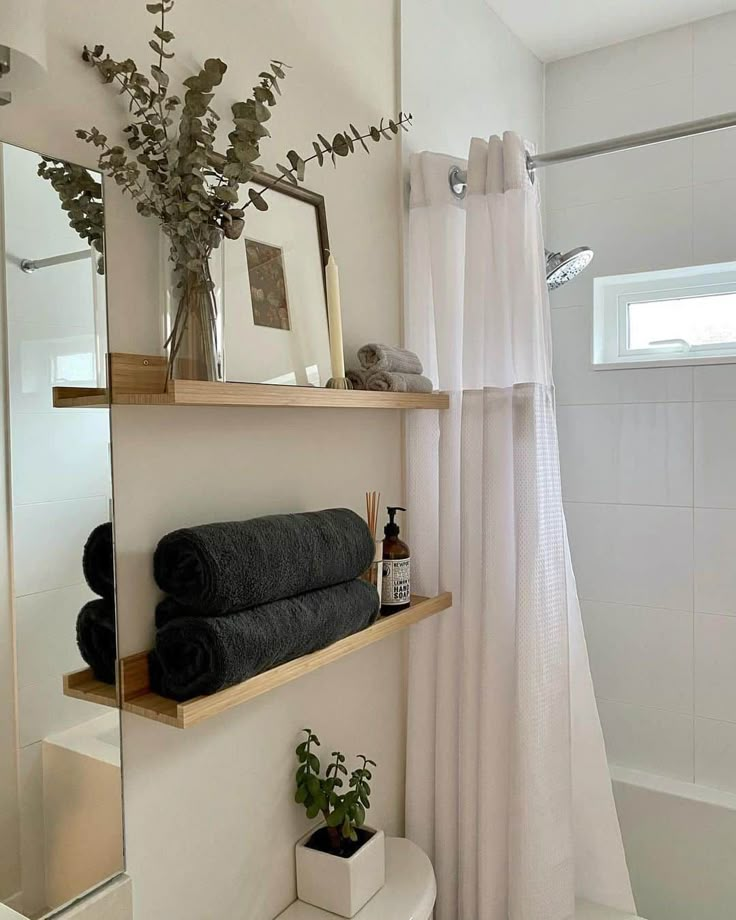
(374, 575)
(372, 503)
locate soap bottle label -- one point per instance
(396, 587)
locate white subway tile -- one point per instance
(57, 456)
(715, 754)
(641, 655)
(714, 229)
(713, 43)
(715, 552)
(630, 172)
(34, 365)
(640, 233)
(48, 540)
(632, 454)
(715, 382)
(632, 554)
(715, 671)
(714, 155)
(628, 65)
(652, 740)
(44, 710)
(715, 449)
(577, 383)
(46, 637)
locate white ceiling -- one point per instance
(554, 29)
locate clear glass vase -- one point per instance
(193, 326)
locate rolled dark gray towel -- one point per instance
(374, 357)
(97, 561)
(171, 609)
(237, 564)
(357, 377)
(201, 655)
(96, 638)
(399, 383)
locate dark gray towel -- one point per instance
(201, 655)
(233, 565)
(374, 357)
(394, 382)
(96, 638)
(97, 561)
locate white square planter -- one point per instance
(339, 885)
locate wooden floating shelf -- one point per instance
(139, 699)
(140, 380)
(83, 685)
(81, 398)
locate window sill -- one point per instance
(687, 361)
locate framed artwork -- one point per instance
(267, 285)
(274, 297)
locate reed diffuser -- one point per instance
(374, 574)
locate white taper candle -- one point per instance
(337, 358)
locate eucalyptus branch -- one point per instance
(178, 176)
(342, 145)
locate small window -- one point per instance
(681, 315)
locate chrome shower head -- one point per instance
(562, 268)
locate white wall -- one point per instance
(464, 75)
(647, 455)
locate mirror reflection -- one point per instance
(60, 785)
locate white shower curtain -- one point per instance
(507, 781)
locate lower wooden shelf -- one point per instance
(139, 699)
(83, 685)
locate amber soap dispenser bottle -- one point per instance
(396, 584)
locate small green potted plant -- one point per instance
(341, 864)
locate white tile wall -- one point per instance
(714, 230)
(647, 455)
(715, 655)
(715, 572)
(45, 627)
(653, 740)
(48, 542)
(633, 454)
(715, 450)
(632, 554)
(657, 58)
(715, 754)
(630, 661)
(633, 172)
(714, 155)
(642, 233)
(578, 384)
(715, 382)
(60, 455)
(43, 709)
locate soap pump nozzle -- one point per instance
(392, 528)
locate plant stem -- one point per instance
(323, 150)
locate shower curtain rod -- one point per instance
(32, 265)
(458, 178)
